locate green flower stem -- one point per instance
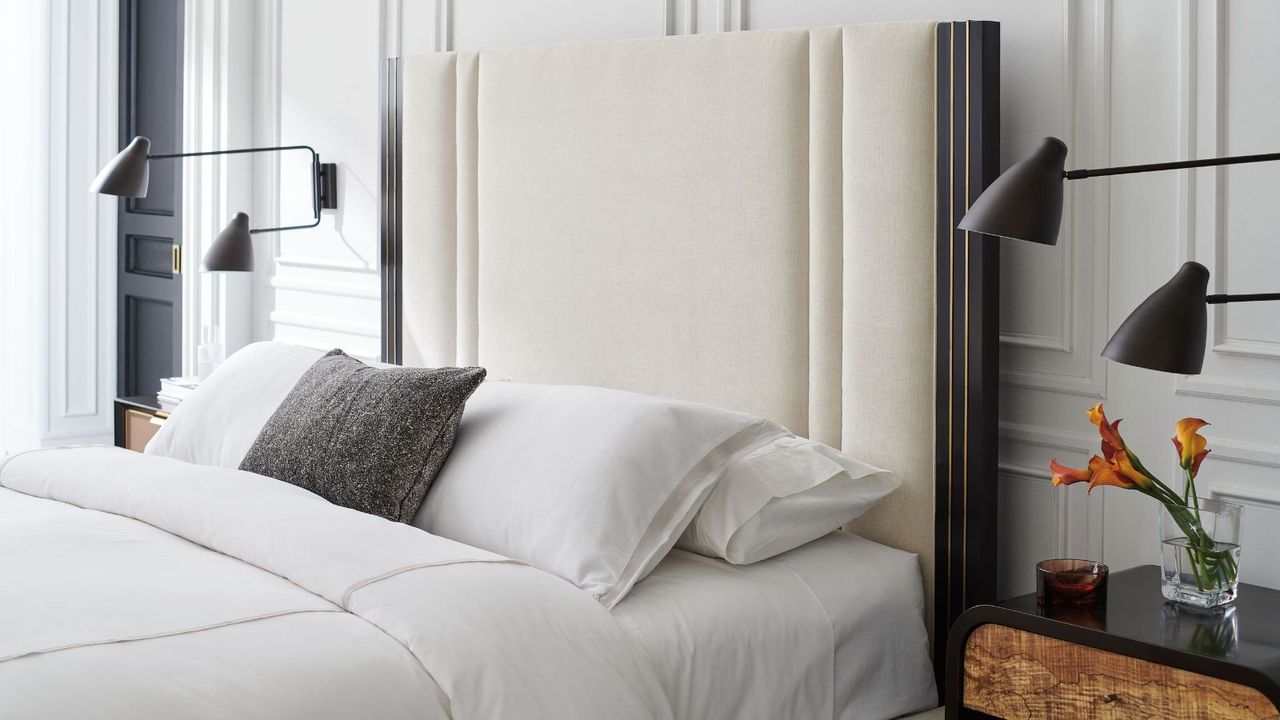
(1189, 488)
(1208, 565)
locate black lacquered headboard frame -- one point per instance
(389, 215)
(968, 72)
(968, 326)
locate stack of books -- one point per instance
(175, 390)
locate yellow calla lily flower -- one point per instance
(1191, 445)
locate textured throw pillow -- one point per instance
(365, 438)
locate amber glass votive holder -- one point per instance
(1069, 582)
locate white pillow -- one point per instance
(589, 484)
(218, 423)
(784, 494)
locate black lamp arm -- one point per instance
(1222, 298)
(323, 180)
(1178, 165)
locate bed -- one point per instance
(830, 629)
(762, 221)
(757, 222)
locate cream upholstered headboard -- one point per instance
(760, 220)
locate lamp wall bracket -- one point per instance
(327, 183)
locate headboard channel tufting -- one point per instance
(761, 220)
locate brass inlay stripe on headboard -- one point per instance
(964, 527)
(951, 312)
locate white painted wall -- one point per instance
(323, 289)
(1142, 80)
(57, 241)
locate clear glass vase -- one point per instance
(1200, 552)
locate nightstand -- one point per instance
(137, 419)
(1141, 656)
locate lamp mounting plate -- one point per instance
(327, 183)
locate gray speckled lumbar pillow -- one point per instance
(365, 438)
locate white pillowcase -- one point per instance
(782, 495)
(218, 423)
(589, 484)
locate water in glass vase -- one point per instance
(1200, 551)
(1204, 577)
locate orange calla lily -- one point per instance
(1190, 443)
(1112, 443)
(1118, 472)
(1105, 473)
(1122, 465)
(1063, 475)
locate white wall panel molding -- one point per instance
(1050, 438)
(82, 228)
(327, 323)
(1033, 522)
(679, 17)
(218, 101)
(391, 21)
(1227, 388)
(1088, 387)
(57, 276)
(1245, 473)
(444, 25)
(266, 166)
(1077, 516)
(1065, 360)
(320, 287)
(320, 262)
(1061, 339)
(1250, 453)
(1099, 268)
(1236, 369)
(200, 114)
(1247, 494)
(1038, 478)
(732, 16)
(1265, 349)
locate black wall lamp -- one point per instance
(129, 172)
(1167, 332)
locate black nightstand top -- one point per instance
(1240, 644)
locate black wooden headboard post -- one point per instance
(389, 210)
(968, 325)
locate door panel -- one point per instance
(149, 282)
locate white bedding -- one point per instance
(132, 583)
(831, 629)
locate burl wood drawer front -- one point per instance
(1011, 673)
(139, 428)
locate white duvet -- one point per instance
(136, 586)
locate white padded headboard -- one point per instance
(749, 220)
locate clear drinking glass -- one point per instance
(1200, 552)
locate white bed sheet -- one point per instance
(833, 629)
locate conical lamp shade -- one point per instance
(128, 173)
(1167, 331)
(1025, 202)
(232, 251)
